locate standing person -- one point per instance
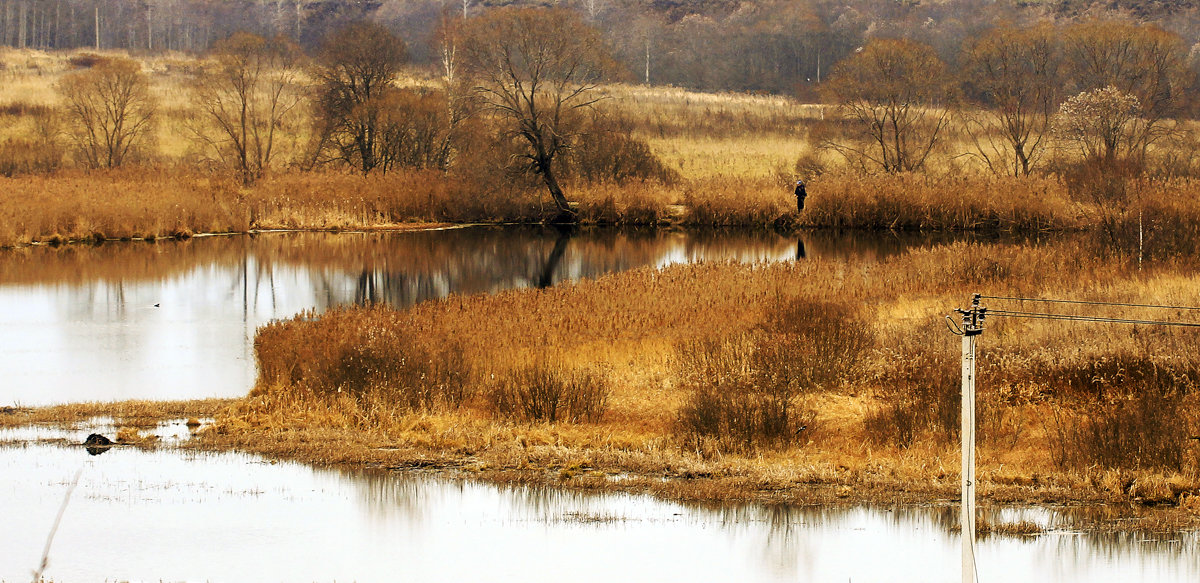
(800, 195)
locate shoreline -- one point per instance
(94, 240)
(683, 483)
(151, 204)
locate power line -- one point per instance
(1083, 302)
(1079, 318)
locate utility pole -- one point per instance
(972, 327)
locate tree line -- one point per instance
(1105, 91)
(517, 104)
(779, 46)
(517, 101)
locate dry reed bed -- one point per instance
(153, 203)
(423, 383)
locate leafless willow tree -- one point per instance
(356, 71)
(896, 94)
(246, 94)
(536, 68)
(1144, 61)
(1012, 76)
(110, 111)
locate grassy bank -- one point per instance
(160, 203)
(805, 382)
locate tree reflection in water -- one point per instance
(176, 319)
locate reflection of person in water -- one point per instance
(800, 195)
(801, 252)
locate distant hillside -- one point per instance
(779, 46)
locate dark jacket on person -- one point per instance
(800, 195)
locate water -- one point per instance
(171, 516)
(176, 320)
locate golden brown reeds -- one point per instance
(887, 416)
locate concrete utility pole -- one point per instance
(972, 327)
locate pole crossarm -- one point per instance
(972, 318)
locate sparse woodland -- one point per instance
(1079, 112)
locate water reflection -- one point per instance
(176, 320)
(235, 518)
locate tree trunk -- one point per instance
(560, 199)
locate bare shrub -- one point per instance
(1146, 430)
(86, 60)
(416, 130)
(551, 393)
(24, 108)
(919, 395)
(813, 343)
(748, 391)
(41, 153)
(607, 151)
(22, 156)
(729, 405)
(1105, 183)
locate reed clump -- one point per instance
(921, 202)
(1151, 429)
(548, 392)
(366, 361)
(754, 389)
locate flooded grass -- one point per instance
(132, 414)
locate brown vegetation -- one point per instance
(637, 156)
(843, 375)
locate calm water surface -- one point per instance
(176, 320)
(166, 516)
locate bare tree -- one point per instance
(1099, 123)
(535, 68)
(897, 92)
(1012, 75)
(110, 110)
(356, 70)
(245, 95)
(1144, 61)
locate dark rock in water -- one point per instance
(97, 439)
(97, 444)
(97, 449)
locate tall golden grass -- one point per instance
(158, 202)
(1056, 400)
(163, 202)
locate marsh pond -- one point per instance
(176, 320)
